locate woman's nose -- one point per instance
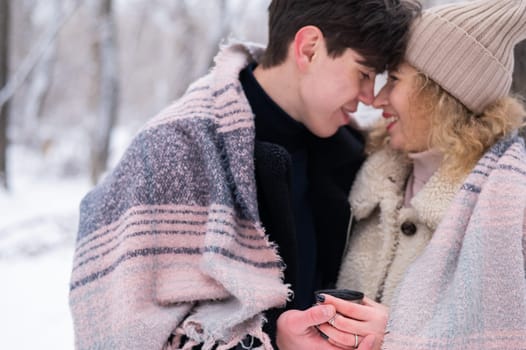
(380, 100)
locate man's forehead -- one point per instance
(362, 61)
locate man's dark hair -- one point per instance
(377, 29)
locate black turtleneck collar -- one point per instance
(273, 124)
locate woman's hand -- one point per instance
(353, 322)
(298, 330)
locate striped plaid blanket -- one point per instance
(468, 288)
(170, 245)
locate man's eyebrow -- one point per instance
(364, 65)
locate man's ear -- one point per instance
(307, 43)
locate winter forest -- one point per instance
(78, 78)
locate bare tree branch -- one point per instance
(108, 97)
(32, 59)
(4, 56)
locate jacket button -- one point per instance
(408, 228)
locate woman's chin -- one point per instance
(396, 145)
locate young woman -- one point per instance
(439, 205)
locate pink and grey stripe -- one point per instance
(170, 243)
(468, 288)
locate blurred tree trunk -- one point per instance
(4, 108)
(108, 88)
(223, 29)
(227, 16)
(40, 78)
(185, 70)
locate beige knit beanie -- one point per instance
(467, 48)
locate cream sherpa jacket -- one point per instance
(387, 237)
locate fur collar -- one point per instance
(382, 180)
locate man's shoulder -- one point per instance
(204, 103)
(217, 96)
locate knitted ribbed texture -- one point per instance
(467, 48)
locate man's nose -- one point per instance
(367, 92)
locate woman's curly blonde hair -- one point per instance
(461, 135)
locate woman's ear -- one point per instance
(308, 42)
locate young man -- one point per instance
(238, 190)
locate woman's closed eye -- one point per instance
(392, 78)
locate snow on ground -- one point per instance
(38, 220)
(35, 313)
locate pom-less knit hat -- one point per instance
(467, 48)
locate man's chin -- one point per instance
(326, 133)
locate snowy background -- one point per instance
(163, 45)
(48, 171)
(39, 216)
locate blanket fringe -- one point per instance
(185, 338)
